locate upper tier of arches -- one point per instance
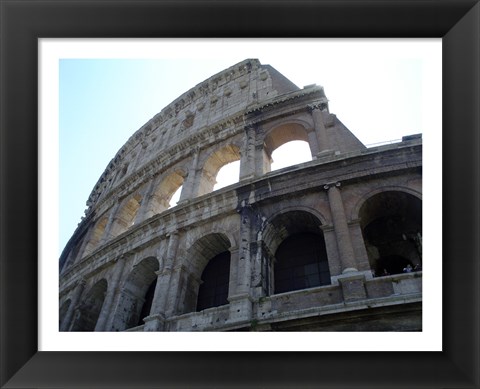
(141, 184)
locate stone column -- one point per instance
(155, 321)
(247, 158)
(111, 292)
(144, 212)
(111, 220)
(263, 161)
(320, 130)
(313, 143)
(66, 322)
(331, 246)
(184, 285)
(234, 272)
(164, 277)
(240, 301)
(161, 291)
(358, 243)
(345, 249)
(188, 189)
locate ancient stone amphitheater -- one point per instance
(333, 244)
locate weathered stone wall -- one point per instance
(130, 239)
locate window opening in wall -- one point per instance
(215, 278)
(227, 175)
(392, 231)
(96, 236)
(291, 153)
(126, 216)
(301, 263)
(215, 161)
(175, 197)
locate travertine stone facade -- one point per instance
(227, 259)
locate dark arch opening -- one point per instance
(392, 230)
(301, 263)
(147, 305)
(213, 291)
(136, 296)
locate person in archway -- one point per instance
(408, 269)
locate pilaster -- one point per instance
(263, 161)
(319, 124)
(111, 293)
(145, 210)
(358, 243)
(247, 155)
(111, 221)
(342, 233)
(67, 320)
(165, 286)
(189, 185)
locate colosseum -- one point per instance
(332, 244)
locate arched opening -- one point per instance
(147, 305)
(96, 236)
(136, 297)
(167, 194)
(299, 259)
(175, 197)
(301, 263)
(296, 149)
(208, 273)
(125, 218)
(290, 153)
(227, 175)
(89, 311)
(214, 163)
(392, 230)
(213, 291)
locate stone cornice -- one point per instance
(286, 98)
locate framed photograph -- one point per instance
(28, 357)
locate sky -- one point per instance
(380, 89)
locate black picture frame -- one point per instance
(457, 22)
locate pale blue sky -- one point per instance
(377, 94)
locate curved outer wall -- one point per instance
(135, 264)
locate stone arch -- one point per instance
(270, 233)
(281, 135)
(125, 217)
(208, 263)
(211, 229)
(96, 236)
(162, 194)
(391, 223)
(215, 161)
(136, 295)
(87, 314)
(295, 251)
(390, 188)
